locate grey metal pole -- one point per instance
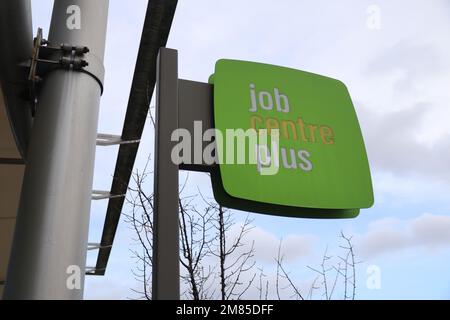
(166, 268)
(49, 249)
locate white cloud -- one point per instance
(432, 231)
(428, 232)
(266, 244)
(394, 144)
(405, 191)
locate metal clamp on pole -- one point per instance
(47, 58)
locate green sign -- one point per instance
(314, 161)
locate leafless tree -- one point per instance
(282, 274)
(210, 255)
(234, 254)
(196, 237)
(348, 272)
(332, 272)
(140, 220)
(263, 287)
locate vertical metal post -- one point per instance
(49, 249)
(166, 269)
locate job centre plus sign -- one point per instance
(322, 158)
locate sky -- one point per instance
(393, 57)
